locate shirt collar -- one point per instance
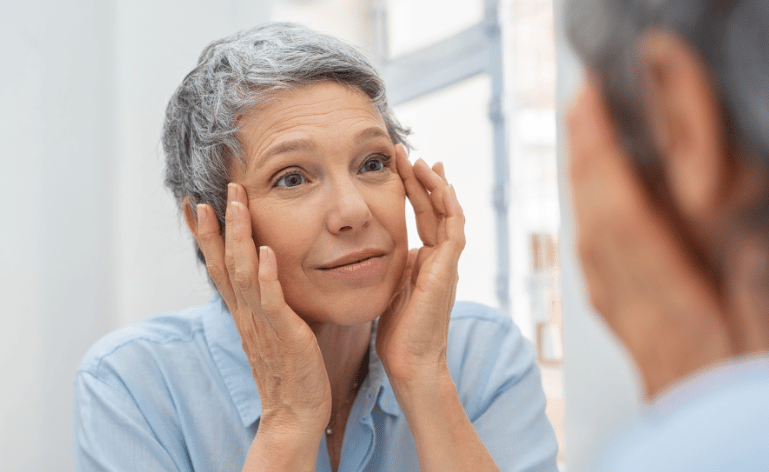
(227, 353)
(378, 379)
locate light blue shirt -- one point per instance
(176, 393)
(715, 421)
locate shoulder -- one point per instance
(479, 330)
(482, 314)
(487, 354)
(715, 427)
(137, 345)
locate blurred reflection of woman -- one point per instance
(328, 346)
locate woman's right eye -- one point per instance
(291, 179)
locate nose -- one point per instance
(348, 209)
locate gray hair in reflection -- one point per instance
(240, 72)
(732, 38)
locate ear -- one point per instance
(191, 217)
(686, 121)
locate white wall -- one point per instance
(90, 239)
(601, 387)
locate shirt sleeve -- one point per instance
(112, 434)
(501, 388)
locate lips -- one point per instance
(353, 258)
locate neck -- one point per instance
(344, 349)
(703, 334)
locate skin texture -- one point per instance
(670, 278)
(322, 183)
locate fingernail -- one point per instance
(235, 208)
(232, 192)
(202, 213)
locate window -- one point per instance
(476, 82)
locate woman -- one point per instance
(330, 347)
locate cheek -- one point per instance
(286, 232)
(392, 213)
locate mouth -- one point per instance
(358, 257)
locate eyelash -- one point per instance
(383, 158)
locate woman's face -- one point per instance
(324, 194)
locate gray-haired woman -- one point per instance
(328, 346)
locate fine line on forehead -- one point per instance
(308, 144)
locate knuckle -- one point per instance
(458, 244)
(242, 277)
(271, 305)
(229, 259)
(216, 272)
(206, 240)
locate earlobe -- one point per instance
(686, 122)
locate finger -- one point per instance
(209, 239)
(438, 169)
(240, 250)
(279, 315)
(454, 223)
(434, 185)
(427, 222)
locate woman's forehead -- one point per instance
(307, 113)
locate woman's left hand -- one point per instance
(412, 333)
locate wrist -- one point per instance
(291, 428)
(275, 450)
(281, 444)
(433, 386)
(416, 372)
(443, 434)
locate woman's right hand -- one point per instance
(282, 350)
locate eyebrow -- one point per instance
(293, 145)
(370, 133)
(306, 144)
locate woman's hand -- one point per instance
(282, 350)
(412, 333)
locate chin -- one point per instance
(346, 310)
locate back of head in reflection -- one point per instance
(669, 165)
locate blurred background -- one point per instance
(91, 240)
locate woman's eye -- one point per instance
(291, 180)
(374, 165)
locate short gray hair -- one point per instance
(236, 74)
(731, 36)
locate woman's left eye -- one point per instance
(375, 164)
(290, 179)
